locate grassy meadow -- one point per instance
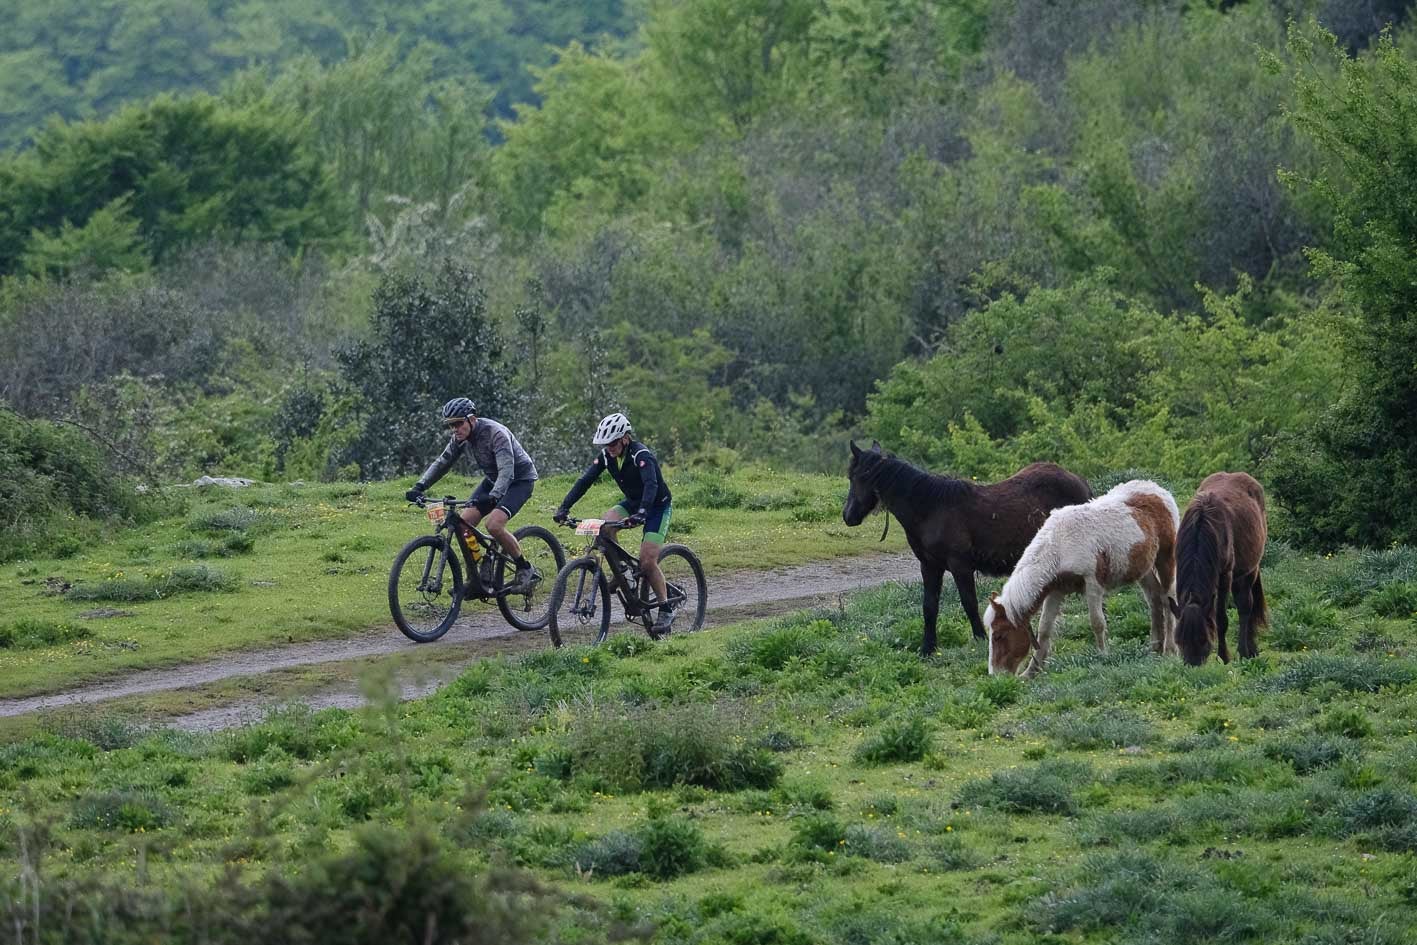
(803, 779)
(234, 569)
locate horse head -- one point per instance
(861, 495)
(1196, 632)
(1009, 642)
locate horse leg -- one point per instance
(933, 577)
(1163, 636)
(1052, 605)
(968, 598)
(1222, 618)
(1245, 605)
(1096, 595)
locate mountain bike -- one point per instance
(580, 599)
(426, 585)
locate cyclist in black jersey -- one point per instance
(636, 471)
(509, 473)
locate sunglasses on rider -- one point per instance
(454, 424)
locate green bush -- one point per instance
(184, 580)
(1043, 789)
(122, 810)
(696, 744)
(901, 739)
(52, 481)
(29, 633)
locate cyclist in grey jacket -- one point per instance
(509, 473)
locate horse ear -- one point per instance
(1175, 607)
(875, 446)
(855, 450)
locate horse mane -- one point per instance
(1197, 572)
(891, 476)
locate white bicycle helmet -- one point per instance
(611, 429)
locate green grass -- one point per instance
(233, 570)
(804, 779)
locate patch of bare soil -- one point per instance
(731, 597)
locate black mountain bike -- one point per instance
(580, 600)
(426, 586)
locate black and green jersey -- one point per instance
(636, 473)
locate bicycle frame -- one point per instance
(461, 535)
(625, 575)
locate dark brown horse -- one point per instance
(958, 526)
(1218, 554)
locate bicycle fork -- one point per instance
(431, 583)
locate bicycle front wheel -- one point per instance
(684, 580)
(580, 604)
(532, 610)
(425, 588)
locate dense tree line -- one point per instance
(85, 60)
(985, 231)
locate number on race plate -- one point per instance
(589, 526)
(435, 513)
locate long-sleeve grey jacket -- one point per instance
(496, 452)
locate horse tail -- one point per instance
(1192, 637)
(1259, 613)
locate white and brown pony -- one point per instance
(1126, 536)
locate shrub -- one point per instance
(881, 844)
(122, 810)
(815, 835)
(901, 739)
(185, 580)
(1350, 722)
(1350, 673)
(1044, 789)
(1309, 754)
(1100, 728)
(50, 481)
(774, 648)
(1398, 599)
(671, 846)
(397, 884)
(29, 633)
(684, 745)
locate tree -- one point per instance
(431, 340)
(186, 170)
(1352, 476)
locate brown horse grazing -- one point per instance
(958, 526)
(1218, 554)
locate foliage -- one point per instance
(1340, 474)
(431, 340)
(162, 173)
(51, 479)
(111, 52)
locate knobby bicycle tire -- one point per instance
(684, 576)
(419, 615)
(580, 604)
(530, 611)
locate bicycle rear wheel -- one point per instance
(580, 604)
(425, 588)
(688, 592)
(532, 610)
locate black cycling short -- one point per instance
(517, 494)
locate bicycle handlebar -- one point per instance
(622, 523)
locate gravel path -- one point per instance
(481, 633)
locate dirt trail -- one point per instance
(479, 634)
